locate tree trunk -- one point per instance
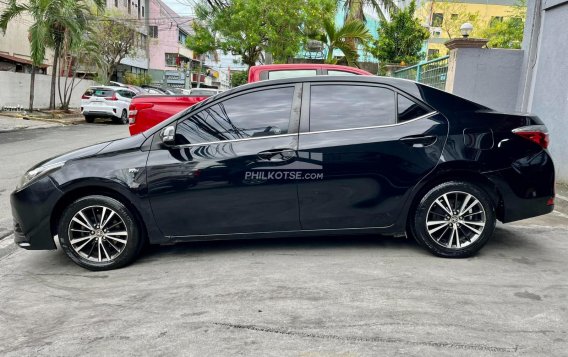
(32, 89)
(54, 76)
(199, 73)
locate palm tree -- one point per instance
(53, 20)
(343, 39)
(38, 35)
(354, 8)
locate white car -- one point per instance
(106, 102)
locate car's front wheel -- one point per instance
(100, 233)
(454, 219)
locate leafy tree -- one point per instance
(53, 19)
(401, 39)
(117, 39)
(137, 79)
(509, 32)
(76, 53)
(238, 78)
(201, 43)
(354, 8)
(343, 39)
(249, 27)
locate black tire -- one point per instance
(130, 249)
(441, 243)
(89, 119)
(124, 117)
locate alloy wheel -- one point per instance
(98, 233)
(456, 219)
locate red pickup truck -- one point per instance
(148, 110)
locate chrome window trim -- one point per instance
(312, 132)
(235, 140)
(374, 126)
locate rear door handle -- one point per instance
(277, 155)
(419, 141)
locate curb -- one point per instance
(73, 121)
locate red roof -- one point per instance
(20, 60)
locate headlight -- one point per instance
(37, 173)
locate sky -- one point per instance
(182, 7)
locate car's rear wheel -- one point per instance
(89, 118)
(100, 233)
(454, 219)
(124, 117)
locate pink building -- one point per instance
(167, 31)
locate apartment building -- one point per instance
(136, 12)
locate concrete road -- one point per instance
(21, 149)
(349, 296)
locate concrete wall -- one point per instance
(544, 89)
(486, 76)
(15, 90)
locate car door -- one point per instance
(220, 177)
(368, 159)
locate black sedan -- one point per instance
(302, 156)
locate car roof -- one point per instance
(299, 66)
(408, 86)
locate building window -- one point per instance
(153, 31)
(437, 19)
(472, 17)
(454, 16)
(116, 3)
(495, 20)
(171, 59)
(143, 12)
(181, 37)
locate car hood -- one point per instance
(93, 150)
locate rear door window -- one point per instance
(335, 107)
(292, 73)
(408, 109)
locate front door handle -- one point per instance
(276, 155)
(419, 141)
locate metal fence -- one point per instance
(432, 73)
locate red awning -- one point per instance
(20, 60)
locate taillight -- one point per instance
(535, 133)
(85, 97)
(113, 98)
(135, 108)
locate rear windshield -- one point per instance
(99, 92)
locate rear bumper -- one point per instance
(101, 112)
(525, 188)
(31, 209)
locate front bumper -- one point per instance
(31, 208)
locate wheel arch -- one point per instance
(92, 190)
(456, 174)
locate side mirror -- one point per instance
(168, 135)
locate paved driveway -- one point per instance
(347, 296)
